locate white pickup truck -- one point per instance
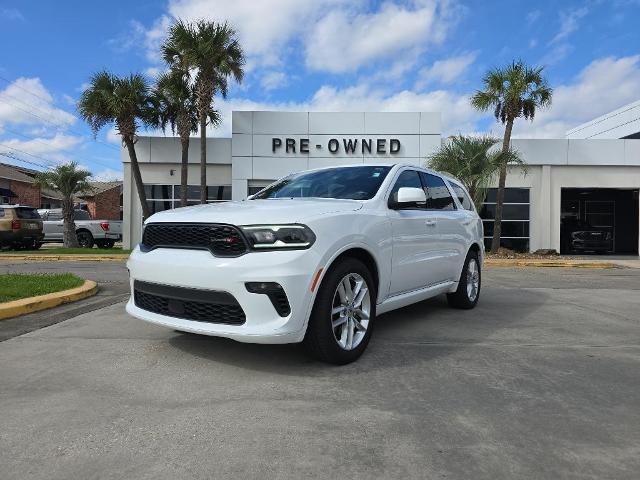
(103, 233)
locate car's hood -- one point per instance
(248, 212)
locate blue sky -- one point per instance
(331, 55)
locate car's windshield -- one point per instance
(353, 183)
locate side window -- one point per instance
(81, 215)
(438, 196)
(408, 178)
(464, 199)
(1, 212)
(54, 216)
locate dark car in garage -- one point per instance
(582, 237)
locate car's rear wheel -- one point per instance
(343, 315)
(468, 292)
(85, 239)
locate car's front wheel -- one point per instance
(343, 315)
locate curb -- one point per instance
(61, 258)
(50, 300)
(551, 264)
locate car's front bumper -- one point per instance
(197, 269)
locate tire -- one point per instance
(36, 245)
(105, 243)
(85, 239)
(345, 342)
(466, 297)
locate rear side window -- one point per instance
(408, 178)
(81, 215)
(27, 213)
(438, 196)
(464, 199)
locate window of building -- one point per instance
(515, 218)
(166, 197)
(438, 195)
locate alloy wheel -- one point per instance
(350, 312)
(473, 279)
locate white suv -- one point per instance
(312, 258)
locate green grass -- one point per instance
(70, 251)
(14, 286)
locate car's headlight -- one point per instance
(264, 237)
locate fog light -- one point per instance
(262, 287)
(276, 295)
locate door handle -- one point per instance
(430, 223)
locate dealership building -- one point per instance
(592, 176)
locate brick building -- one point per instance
(17, 186)
(104, 202)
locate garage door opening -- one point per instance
(599, 220)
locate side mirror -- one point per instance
(410, 195)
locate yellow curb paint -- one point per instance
(50, 300)
(525, 263)
(64, 258)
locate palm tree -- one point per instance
(69, 180)
(124, 101)
(175, 105)
(473, 161)
(211, 53)
(513, 91)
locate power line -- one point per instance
(31, 155)
(50, 122)
(24, 89)
(46, 145)
(22, 160)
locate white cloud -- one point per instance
(604, 85)
(153, 38)
(108, 175)
(113, 136)
(445, 71)
(533, 16)
(345, 39)
(53, 148)
(42, 145)
(337, 35)
(25, 95)
(11, 14)
(273, 80)
(264, 27)
(153, 72)
(569, 23)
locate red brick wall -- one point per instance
(28, 193)
(105, 205)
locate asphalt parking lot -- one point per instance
(542, 380)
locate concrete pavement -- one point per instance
(542, 380)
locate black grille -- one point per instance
(188, 303)
(221, 240)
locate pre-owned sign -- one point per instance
(347, 145)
